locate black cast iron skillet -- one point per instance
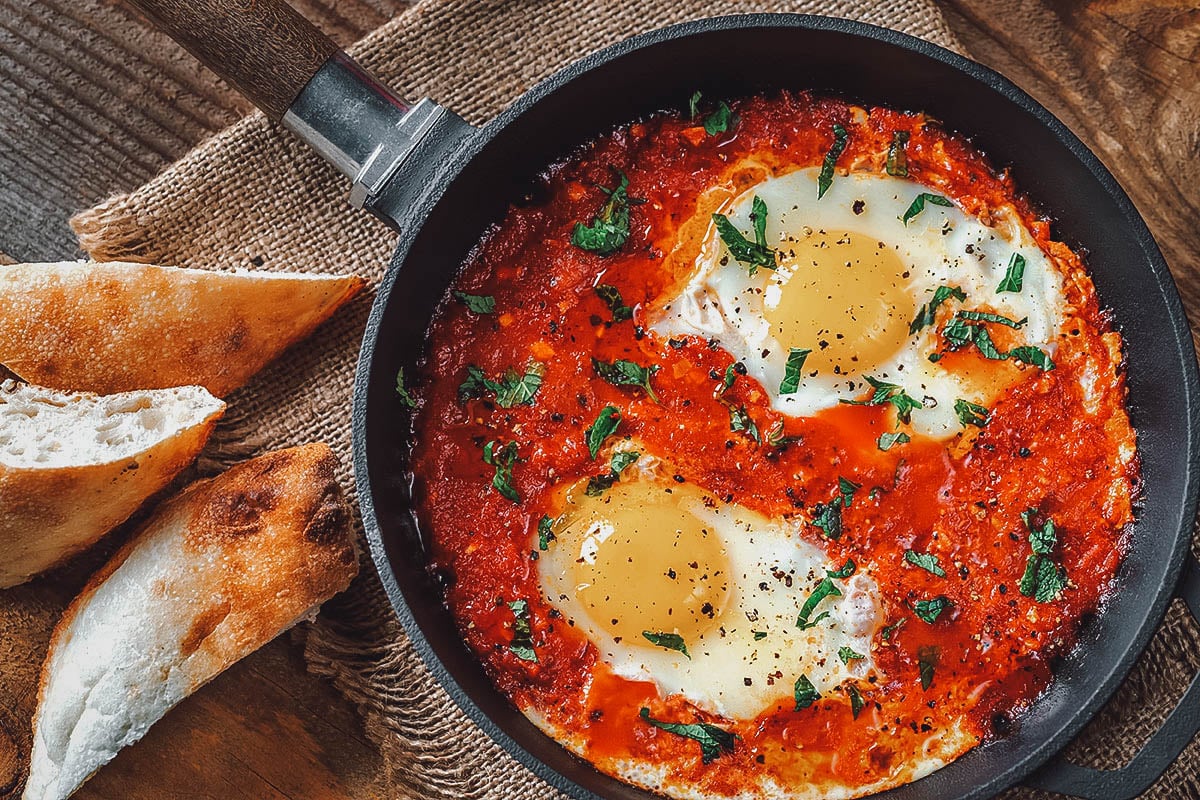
(440, 183)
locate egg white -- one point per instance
(771, 573)
(940, 246)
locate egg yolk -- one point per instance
(842, 295)
(644, 563)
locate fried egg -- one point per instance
(851, 277)
(653, 567)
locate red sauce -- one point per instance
(1043, 447)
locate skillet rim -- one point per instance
(1182, 354)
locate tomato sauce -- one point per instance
(1048, 445)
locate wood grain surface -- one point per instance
(92, 103)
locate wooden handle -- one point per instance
(262, 47)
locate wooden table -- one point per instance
(93, 103)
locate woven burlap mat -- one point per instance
(254, 197)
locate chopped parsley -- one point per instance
(609, 229)
(805, 693)
(545, 532)
(1043, 580)
(845, 571)
(825, 179)
(971, 413)
(926, 561)
(777, 436)
(521, 645)
(713, 740)
(887, 440)
(889, 393)
(718, 121)
(626, 373)
(753, 254)
(739, 420)
(828, 517)
(1013, 275)
(612, 298)
(930, 610)
(1034, 356)
(476, 303)
(897, 160)
(847, 655)
(599, 484)
(502, 458)
(731, 373)
(759, 635)
(667, 641)
(889, 631)
(983, 316)
(604, 426)
(791, 372)
(856, 701)
(847, 488)
(824, 589)
(927, 313)
(512, 389)
(927, 659)
(405, 398)
(960, 333)
(919, 203)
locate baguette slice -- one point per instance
(74, 466)
(117, 327)
(215, 574)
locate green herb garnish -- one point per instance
(983, 316)
(971, 413)
(825, 179)
(502, 458)
(791, 372)
(1013, 275)
(739, 420)
(926, 561)
(476, 303)
(405, 398)
(856, 701)
(545, 532)
(609, 229)
(897, 159)
(759, 635)
(626, 373)
(847, 488)
(845, 571)
(918, 205)
(887, 440)
(889, 393)
(1028, 354)
(731, 373)
(930, 610)
(847, 655)
(828, 517)
(887, 632)
(713, 740)
(753, 254)
(927, 659)
(960, 333)
(805, 693)
(1043, 580)
(720, 120)
(825, 588)
(604, 426)
(612, 298)
(513, 388)
(599, 484)
(522, 641)
(927, 313)
(667, 641)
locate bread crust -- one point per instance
(116, 327)
(214, 574)
(48, 514)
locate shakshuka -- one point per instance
(773, 448)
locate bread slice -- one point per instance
(118, 327)
(74, 466)
(215, 574)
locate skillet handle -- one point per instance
(262, 47)
(1156, 756)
